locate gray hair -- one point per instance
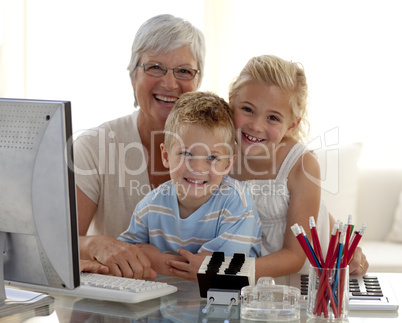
(162, 34)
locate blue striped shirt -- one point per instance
(227, 222)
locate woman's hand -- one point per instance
(359, 264)
(122, 258)
(93, 266)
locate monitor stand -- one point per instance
(13, 301)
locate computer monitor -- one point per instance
(38, 220)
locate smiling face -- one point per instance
(197, 159)
(157, 95)
(262, 118)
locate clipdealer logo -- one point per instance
(108, 152)
(326, 149)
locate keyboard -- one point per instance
(368, 292)
(115, 289)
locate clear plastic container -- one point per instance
(328, 294)
(267, 301)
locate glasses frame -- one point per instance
(165, 70)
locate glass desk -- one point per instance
(183, 306)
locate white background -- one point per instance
(78, 50)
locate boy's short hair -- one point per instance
(204, 109)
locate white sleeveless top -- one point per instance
(271, 198)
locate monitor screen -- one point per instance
(38, 219)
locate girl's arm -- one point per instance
(305, 195)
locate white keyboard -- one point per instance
(115, 289)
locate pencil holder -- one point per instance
(328, 294)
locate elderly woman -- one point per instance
(119, 162)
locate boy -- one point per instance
(200, 209)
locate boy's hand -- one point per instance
(159, 260)
(189, 269)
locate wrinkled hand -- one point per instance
(188, 269)
(122, 258)
(93, 266)
(359, 264)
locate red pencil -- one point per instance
(300, 237)
(357, 236)
(346, 246)
(332, 244)
(316, 241)
(340, 251)
(332, 256)
(329, 256)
